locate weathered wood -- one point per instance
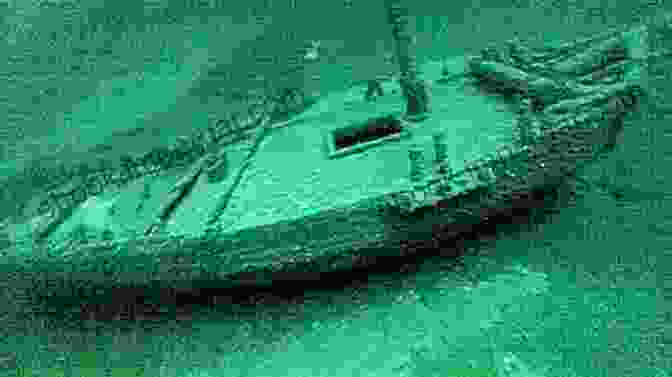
(217, 169)
(607, 52)
(610, 72)
(520, 55)
(48, 224)
(177, 193)
(509, 177)
(186, 151)
(555, 54)
(598, 97)
(413, 87)
(225, 196)
(507, 77)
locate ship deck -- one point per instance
(292, 174)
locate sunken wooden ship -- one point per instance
(313, 186)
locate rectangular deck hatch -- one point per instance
(360, 136)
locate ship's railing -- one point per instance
(445, 183)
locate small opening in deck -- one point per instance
(373, 129)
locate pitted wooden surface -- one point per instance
(292, 177)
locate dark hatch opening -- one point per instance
(371, 130)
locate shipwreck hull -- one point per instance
(563, 127)
(306, 248)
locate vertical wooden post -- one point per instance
(417, 166)
(413, 88)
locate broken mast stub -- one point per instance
(413, 88)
